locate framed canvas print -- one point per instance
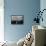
(17, 19)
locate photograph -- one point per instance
(17, 19)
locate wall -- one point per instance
(42, 6)
(1, 20)
(19, 7)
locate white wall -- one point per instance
(1, 20)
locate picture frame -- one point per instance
(17, 19)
